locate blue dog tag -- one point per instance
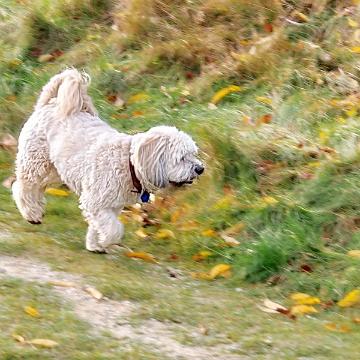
(145, 196)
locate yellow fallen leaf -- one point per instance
(302, 309)
(354, 253)
(356, 320)
(323, 136)
(62, 283)
(314, 164)
(93, 292)
(350, 299)
(31, 311)
(18, 338)
(337, 328)
(304, 299)
(351, 112)
(209, 233)
(352, 23)
(141, 255)
(300, 16)
(223, 92)
(269, 200)
(200, 275)
(164, 234)
(355, 49)
(202, 255)
(218, 270)
(141, 233)
(264, 100)
(56, 192)
(45, 343)
(140, 97)
(241, 57)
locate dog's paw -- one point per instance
(98, 251)
(34, 222)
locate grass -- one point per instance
(56, 322)
(292, 182)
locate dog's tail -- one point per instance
(69, 91)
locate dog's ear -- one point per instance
(149, 158)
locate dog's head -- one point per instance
(165, 156)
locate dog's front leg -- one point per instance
(104, 230)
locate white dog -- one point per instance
(65, 141)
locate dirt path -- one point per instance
(106, 314)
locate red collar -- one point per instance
(135, 180)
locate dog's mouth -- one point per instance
(181, 183)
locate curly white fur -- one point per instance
(65, 141)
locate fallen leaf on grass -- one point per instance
(356, 320)
(272, 307)
(137, 113)
(141, 233)
(352, 23)
(264, 100)
(302, 310)
(164, 234)
(304, 299)
(216, 271)
(141, 255)
(354, 253)
(269, 200)
(355, 49)
(45, 343)
(350, 299)
(209, 233)
(202, 255)
(229, 240)
(94, 293)
(268, 27)
(62, 283)
(265, 119)
(337, 328)
(300, 16)
(31, 311)
(140, 97)
(56, 192)
(223, 92)
(18, 338)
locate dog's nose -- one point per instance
(199, 169)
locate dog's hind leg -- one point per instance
(29, 199)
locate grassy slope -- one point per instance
(314, 220)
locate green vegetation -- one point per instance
(282, 156)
